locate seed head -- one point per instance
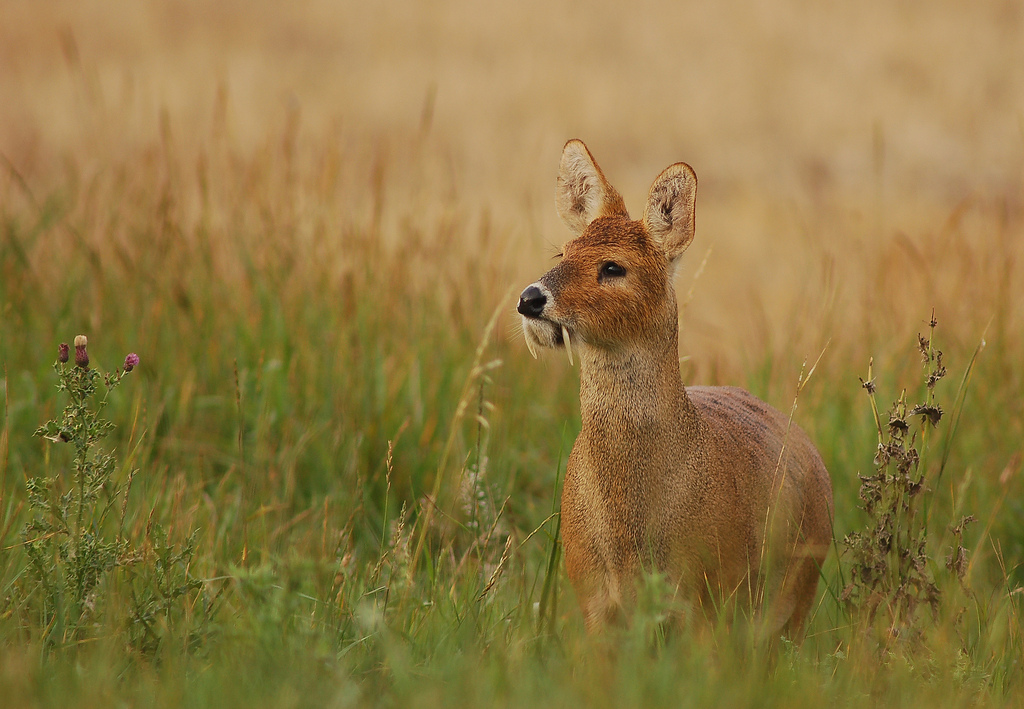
(131, 362)
(63, 353)
(81, 356)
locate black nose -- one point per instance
(532, 302)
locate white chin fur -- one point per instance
(541, 333)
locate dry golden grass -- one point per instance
(835, 146)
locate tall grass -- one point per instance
(334, 404)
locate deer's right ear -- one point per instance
(669, 215)
(583, 193)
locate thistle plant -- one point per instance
(76, 534)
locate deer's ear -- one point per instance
(583, 193)
(669, 215)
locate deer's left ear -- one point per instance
(669, 215)
(583, 193)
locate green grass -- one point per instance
(307, 374)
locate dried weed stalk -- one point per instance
(892, 581)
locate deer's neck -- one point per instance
(633, 394)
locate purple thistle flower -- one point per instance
(81, 356)
(131, 362)
(63, 353)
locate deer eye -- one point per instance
(610, 269)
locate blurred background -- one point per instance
(787, 96)
(817, 131)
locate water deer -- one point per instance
(708, 486)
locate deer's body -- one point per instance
(709, 486)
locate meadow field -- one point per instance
(332, 480)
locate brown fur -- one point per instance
(707, 485)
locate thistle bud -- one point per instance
(81, 356)
(131, 362)
(63, 352)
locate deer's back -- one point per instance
(761, 472)
(759, 441)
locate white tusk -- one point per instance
(529, 346)
(568, 345)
